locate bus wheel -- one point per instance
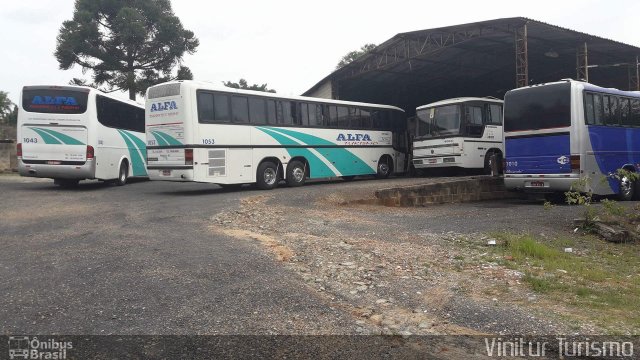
(489, 167)
(627, 189)
(267, 177)
(296, 173)
(123, 174)
(66, 183)
(385, 164)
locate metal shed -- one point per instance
(484, 58)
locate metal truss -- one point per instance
(410, 49)
(582, 63)
(522, 57)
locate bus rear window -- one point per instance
(541, 107)
(54, 101)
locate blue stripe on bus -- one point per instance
(548, 154)
(613, 148)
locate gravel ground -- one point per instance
(401, 270)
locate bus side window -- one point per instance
(271, 112)
(474, 121)
(257, 111)
(598, 110)
(611, 111)
(343, 117)
(625, 107)
(365, 117)
(221, 108)
(588, 109)
(635, 112)
(320, 117)
(295, 113)
(354, 118)
(240, 109)
(495, 114)
(312, 114)
(283, 113)
(333, 116)
(205, 107)
(304, 114)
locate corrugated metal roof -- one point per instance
(483, 62)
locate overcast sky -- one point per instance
(290, 45)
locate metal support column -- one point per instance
(582, 63)
(522, 61)
(634, 76)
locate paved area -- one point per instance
(186, 258)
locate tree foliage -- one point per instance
(5, 105)
(353, 55)
(127, 44)
(242, 84)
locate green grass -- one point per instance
(598, 277)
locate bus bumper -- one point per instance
(437, 162)
(540, 184)
(80, 172)
(170, 174)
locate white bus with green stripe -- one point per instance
(197, 131)
(72, 133)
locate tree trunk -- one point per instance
(131, 80)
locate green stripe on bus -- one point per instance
(66, 139)
(137, 163)
(48, 139)
(344, 160)
(170, 140)
(317, 167)
(159, 139)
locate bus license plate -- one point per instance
(54, 162)
(537, 184)
(166, 172)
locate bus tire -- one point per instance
(296, 173)
(123, 173)
(385, 166)
(66, 183)
(489, 158)
(267, 176)
(628, 189)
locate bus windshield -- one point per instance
(439, 121)
(541, 107)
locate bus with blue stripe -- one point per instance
(73, 133)
(200, 132)
(568, 133)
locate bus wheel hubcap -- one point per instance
(384, 168)
(625, 186)
(298, 174)
(270, 176)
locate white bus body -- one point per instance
(460, 132)
(71, 133)
(200, 132)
